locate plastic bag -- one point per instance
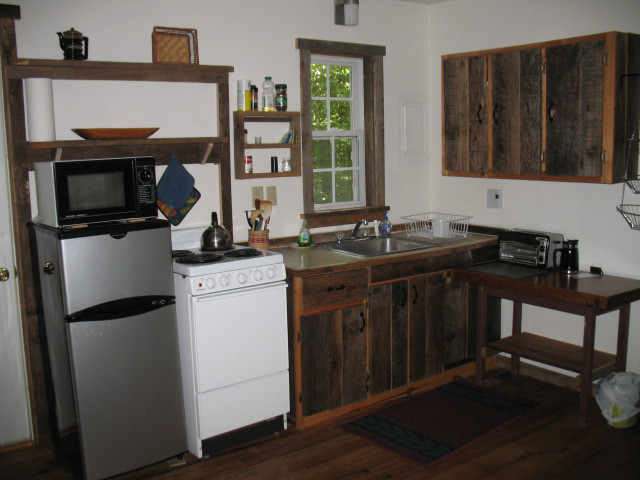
(618, 396)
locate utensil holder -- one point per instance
(259, 239)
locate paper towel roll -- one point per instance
(41, 125)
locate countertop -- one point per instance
(318, 259)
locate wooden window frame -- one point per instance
(373, 85)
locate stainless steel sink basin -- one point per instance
(379, 246)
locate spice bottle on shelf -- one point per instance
(286, 164)
(268, 95)
(244, 95)
(254, 98)
(248, 164)
(304, 237)
(281, 97)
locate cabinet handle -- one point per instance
(478, 114)
(364, 321)
(415, 294)
(551, 112)
(495, 119)
(335, 289)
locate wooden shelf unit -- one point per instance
(240, 147)
(23, 154)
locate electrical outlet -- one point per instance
(272, 195)
(494, 198)
(256, 193)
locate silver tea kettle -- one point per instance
(216, 237)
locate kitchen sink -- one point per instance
(378, 246)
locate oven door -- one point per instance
(240, 335)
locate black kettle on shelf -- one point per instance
(74, 45)
(568, 257)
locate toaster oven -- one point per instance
(525, 247)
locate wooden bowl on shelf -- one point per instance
(114, 133)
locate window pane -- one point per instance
(344, 186)
(344, 153)
(318, 115)
(318, 80)
(322, 191)
(340, 76)
(340, 115)
(321, 152)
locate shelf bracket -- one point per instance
(207, 152)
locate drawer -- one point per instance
(334, 288)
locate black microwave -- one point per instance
(75, 192)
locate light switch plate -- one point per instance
(272, 195)
(256, 192)
(494, 198)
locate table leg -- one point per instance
(623, 338)
(587, 365)
(481, 334)
(516, 330)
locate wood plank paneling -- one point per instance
(574, 108)
(322, 367)
(354, 353)
(516, 78)
(380, 300)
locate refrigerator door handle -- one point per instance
(121, 308)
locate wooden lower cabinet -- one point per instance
(417, 327)
(333, 359)
(354, 343)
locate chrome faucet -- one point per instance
(354, 234)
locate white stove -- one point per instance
(232, 328)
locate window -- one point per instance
(342, 119)
(338, 132)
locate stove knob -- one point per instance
(210, 283)
(271, 272)
(242, 278)
(224, 280)
(258, 275)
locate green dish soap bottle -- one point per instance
(304, 237)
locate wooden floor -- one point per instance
(547, 443)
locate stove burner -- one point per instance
(180, 253)
(243, 253)
(197, 258)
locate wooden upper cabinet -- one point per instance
(516, 117)
(465, 118)
(574, 116)
(559, 110)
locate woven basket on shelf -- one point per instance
(174, 45)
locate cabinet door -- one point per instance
(387, 336)
(516, 92)
(575, 76)
(333, 351)
(465, 114)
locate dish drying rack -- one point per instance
(631, 213)
(434, 224)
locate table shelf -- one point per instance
(552, 352)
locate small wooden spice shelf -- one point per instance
(240, 146)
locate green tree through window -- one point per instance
(337, 141)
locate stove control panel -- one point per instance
(232, 279)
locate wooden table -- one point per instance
(581, 294)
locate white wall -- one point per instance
(585, 212)
(257, 38)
